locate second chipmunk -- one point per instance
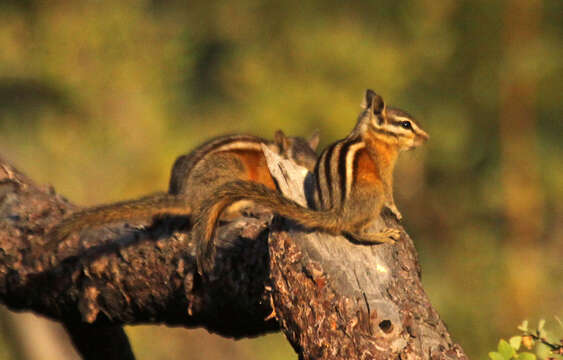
(354, 182)
(195, 176)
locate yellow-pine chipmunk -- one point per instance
(354, 178)
(196, 176)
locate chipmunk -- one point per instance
(354, 178)
(196, 176)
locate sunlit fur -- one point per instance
(386, 126)
(353, 183)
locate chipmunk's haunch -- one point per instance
(195, 176)
(354, 179)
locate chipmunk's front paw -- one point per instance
(395, 211)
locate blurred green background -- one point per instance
(98, 98)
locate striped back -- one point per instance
(185, 163)
(380, 132)
(334, 182)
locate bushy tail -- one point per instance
(244, 190)
(146, 207)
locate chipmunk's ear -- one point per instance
(373, 102)
(281, 140)
(314, 139)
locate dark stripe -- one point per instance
(323, 185)
(328, 174)
(399, 124)
(391, 112)
(317, 179)
(206, 148)
(342, 167)
(384, 132)
(380, 119)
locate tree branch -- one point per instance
(125, 275)
(100, 342)
(333, 299)
(339, 300)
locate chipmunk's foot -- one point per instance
(392, 234)
(388, 235)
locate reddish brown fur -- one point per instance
(384, 157)
(256, 167)
(195, 176)
(365, 169)
(354, 180)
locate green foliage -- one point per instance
(538, 339)
(507, 351)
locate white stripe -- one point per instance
(350, 157)
(401, 118)
(239, 145)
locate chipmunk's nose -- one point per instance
(421, 137)
(424, 135)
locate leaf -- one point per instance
(523, 326)
(541, 330)
(505, 349)
(496, 356)
(515, 342)
(526, 356)
(543, 351)
(541, 324)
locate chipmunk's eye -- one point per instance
(406, 125)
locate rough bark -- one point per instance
(333, 299)
(339, 300)
(127, 275)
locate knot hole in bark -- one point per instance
(386, 326)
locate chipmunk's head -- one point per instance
(393, 126)
(298, 149)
